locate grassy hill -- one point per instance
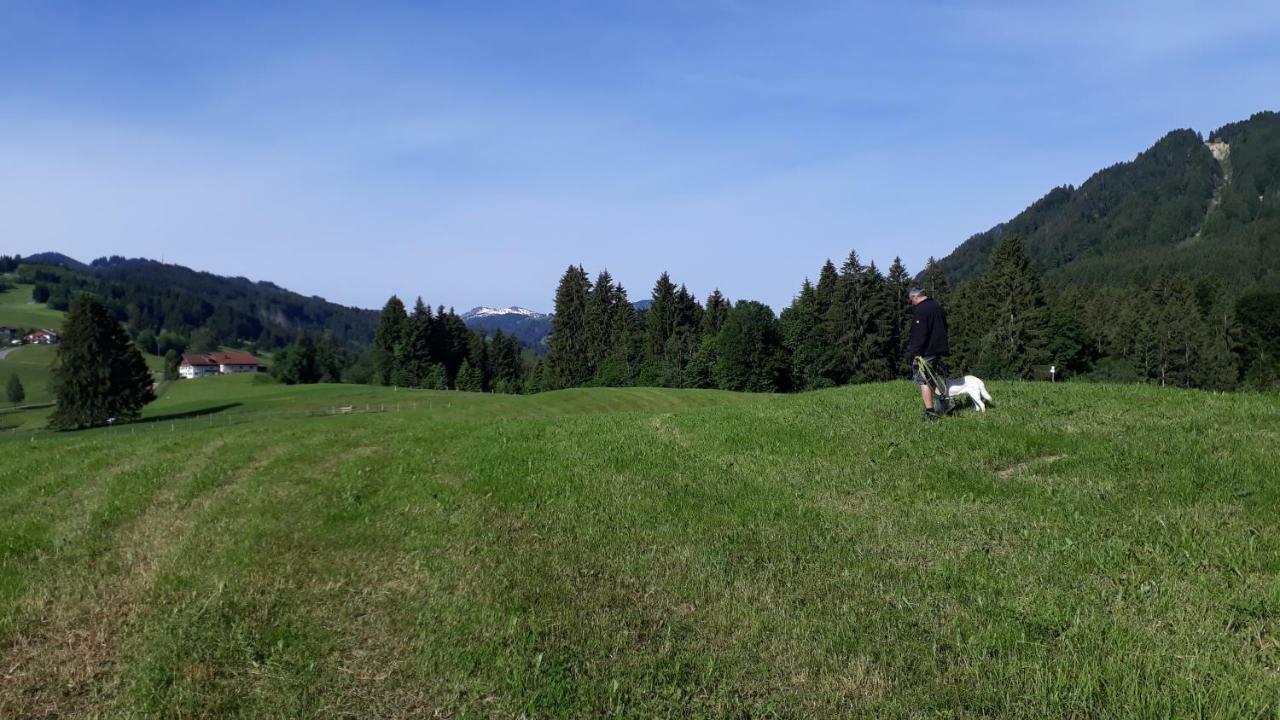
(1083, 550)
(17, 309)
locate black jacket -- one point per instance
(928, 330)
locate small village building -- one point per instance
(196, 365)
(43, 337)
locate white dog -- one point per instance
(971, 386)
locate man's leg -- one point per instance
(926, 394)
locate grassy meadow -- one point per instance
(17, 309)
(1080, 551)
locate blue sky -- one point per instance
(468, 152)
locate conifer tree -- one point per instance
(618, 367)
(504, 362)
(437, 378)
(14, 389)
(933, 280)
(469, 379)
(751, 354)
(715, 312)
(390, 332)
(660, 319)
(568, 357)
(1001, 321)
(801, 331)
(600, 308)
(897, 315)
(413, 359)
(97, 374)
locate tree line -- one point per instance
(436, 350)
(851, 326)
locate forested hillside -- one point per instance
(162, 299)
(1205, 207)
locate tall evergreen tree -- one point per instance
(97, 374)
(504, 363)
(751, 354)
(660, 319)
(714, 314)
(390, 332)
(801, 330)
(14, 389)
(413, 352)
(568, 357)
(469, 379)
(897, 315)
(933, 280)
(600, 308)
(1001, 326)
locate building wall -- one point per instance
(194, 371)
(238, 368)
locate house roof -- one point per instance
(233, 357)
(196, 359)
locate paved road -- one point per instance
(4, 351)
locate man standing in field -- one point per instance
(928, 341)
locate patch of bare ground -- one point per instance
(1010, 471)
(62, 663)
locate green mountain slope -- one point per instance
(1202, 207)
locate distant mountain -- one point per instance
(56, 259)
(530, 327)
(644, 304)
(1186, 205)
(155, 296)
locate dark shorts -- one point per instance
(937, 364)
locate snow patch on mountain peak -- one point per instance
(479, 312)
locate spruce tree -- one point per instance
(469, 379)
(618, 368)
(933, 280)
(600, 301)
(14, 389)
(802, 335)
(390, 331)
(1001, 327)
(413, 359)
(751, 355)
(897, 315)
(715, 312)
(504, 362)
(660, 327)
(568, 356)
(98, 374)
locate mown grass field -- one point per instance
(1081, 551)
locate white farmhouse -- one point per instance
(196, 365)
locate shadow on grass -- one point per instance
(211, 410)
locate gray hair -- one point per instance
(916, 292)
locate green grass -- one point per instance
(17, 309)
(1081, 551)
(31, 363)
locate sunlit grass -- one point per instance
(1083, 551)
